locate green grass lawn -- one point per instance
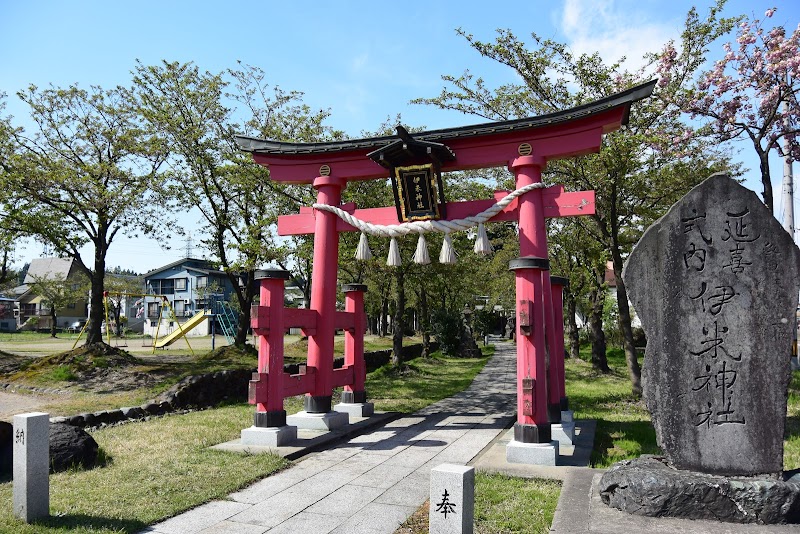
(159, 468)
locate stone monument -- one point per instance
(715, 283)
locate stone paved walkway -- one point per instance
(373, 482)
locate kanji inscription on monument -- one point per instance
(715, 283)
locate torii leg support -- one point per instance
(354, 397)
(532, 438)
(553, 395)
(317, 414)
(566, 433)
(266, 389)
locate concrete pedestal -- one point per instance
(271, 436)
(564, 433)
(355, 409)
(452, 499)
(532, 453)
(318, 421)
(31, 447)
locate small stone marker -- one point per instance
(452, 504)
(715, 283)
(31, 486)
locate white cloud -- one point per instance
(615, 29)
(359, 62)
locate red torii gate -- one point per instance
(525, 146)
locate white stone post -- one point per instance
(452, 505)
(31, 486)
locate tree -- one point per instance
(637, 175)
(58, 292)
(7, 235)
(87, 174)
(237, 201)
(751, 92)
(576, 255)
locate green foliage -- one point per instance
(194, 115)
(62, 373)
(446, 325)
(611, 322)
(58, 291)
(483, 322)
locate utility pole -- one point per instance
(788, 180)
(788, 207)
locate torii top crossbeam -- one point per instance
(562, 134)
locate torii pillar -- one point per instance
(532, 434)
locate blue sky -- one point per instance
(363, 60)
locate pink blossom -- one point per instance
(768, 13)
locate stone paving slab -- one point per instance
(202, 517)
(346, 501)
(230, 527)
(376, 518)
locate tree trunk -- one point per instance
(598, 337)
(398, 326)
(384, 313)
(52, 321)
(573, 337)
(634, 370)
(766, 181)
(96, 315)
(4, 267)
(246, 295)
(425, 323)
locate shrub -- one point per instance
(446, 326)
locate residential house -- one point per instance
(8, 319)
(190, 286)
(30, 305)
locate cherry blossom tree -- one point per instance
(751, 92)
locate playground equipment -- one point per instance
(157, 342)
(183, 329)
(227, 319)
(415, 163)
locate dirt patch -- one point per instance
(89, 357)
(230, 353)
(15, 403)
(97, 367)
(11, 363)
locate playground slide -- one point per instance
(195, 320)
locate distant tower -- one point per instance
(189, 243)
